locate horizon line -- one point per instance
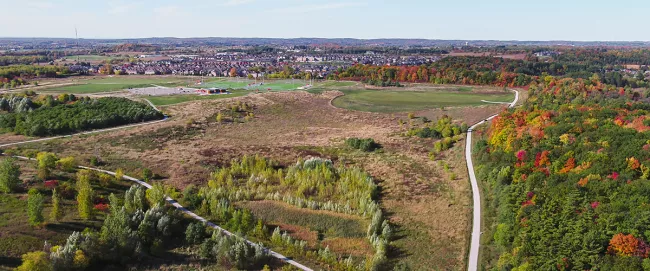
(338, 38)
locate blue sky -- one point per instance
(431, 19)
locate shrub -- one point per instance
(46, 162)
(119, 174)
(366, 144)
(35, 261)
(195, 233)
(67, 164)
(105, 179)
(147, 174)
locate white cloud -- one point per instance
(312, 8)
(231, 3)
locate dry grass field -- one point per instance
(430, 210)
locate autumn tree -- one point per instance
(46, 162)
(623, 244)
(56, 213)
(9, 175)
(67, 164)
(233, 72)
(35, 261)
(84, 194)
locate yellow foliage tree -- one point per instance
(35, 261)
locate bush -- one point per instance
(195, 233)
(67, 164)
(35, 261)
(366, 144)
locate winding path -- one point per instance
(148, 186)
(476, 227)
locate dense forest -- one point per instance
(15, 75)
(567, 175)
(45, 115)
(495, 71)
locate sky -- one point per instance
(576, 20)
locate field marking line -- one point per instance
(476, 197)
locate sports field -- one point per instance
(87, 58)
(403, 101)
(117, 83)
(273, 85)
(175, 99)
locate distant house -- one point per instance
(150, 72)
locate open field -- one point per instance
(175, 99)
(87, 58)
(116, 83)
(403, 101)
(241, 83)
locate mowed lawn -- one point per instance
(117, 83)
(403, 101)
(274, 85)
(175, 99)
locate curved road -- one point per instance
(148, 186)
(476, 227)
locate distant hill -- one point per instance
(135, 44)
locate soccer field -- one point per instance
(403, 101)
(274, 85)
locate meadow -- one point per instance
(403, 101)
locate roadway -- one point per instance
(476, 197)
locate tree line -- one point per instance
(58, 116)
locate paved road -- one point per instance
(476, 227)
(148, 186)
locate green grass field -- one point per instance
(274, 85)
(175, 99)
(403, 101)
(88, 57)
(330, 85)
(117, 83)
